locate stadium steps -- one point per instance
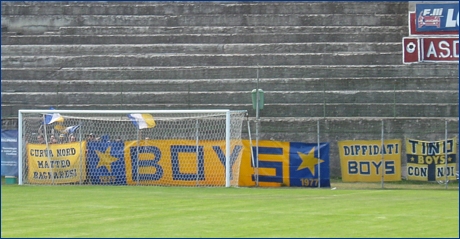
(289, 95)
(230, 72)
(199, 48)
(53, 22)
(200, 60)
(29, 18)
(244, 84)
(147, 30)
(185, 8)
(384, 110)
(211, 41)
(239, 97)
(199, 38)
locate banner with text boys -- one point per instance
(365, 160)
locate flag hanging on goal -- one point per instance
(71, 129)
(55, 117)
(142, 121)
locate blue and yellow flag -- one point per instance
(285, 164)
(142, 121)
(54, 117)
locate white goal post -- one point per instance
(130, 147)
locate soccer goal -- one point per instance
(130, 147)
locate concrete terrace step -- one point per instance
(189, 8)
(270, 110)
(199, 38)
(246, 48)
(293, 71)
(274, 59)
(237, 97)
(126, 30)
(27, 24)
(268, 84)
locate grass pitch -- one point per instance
(143, 211)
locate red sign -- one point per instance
(411, 50)
(439, 49)
(430, 49)
(413, 28)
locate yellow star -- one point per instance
(105, 159)
(309, 161)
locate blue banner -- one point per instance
(436, 17)
(308, 164)
(285, 164)
(9, 153)
(105, 162)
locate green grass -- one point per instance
(130, 211)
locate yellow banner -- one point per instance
(177, 162)
(275, 167)
(361, 160)
(426, 160)
(60, 163)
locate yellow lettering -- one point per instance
(107, 179)
(421, 159)
(429, 160)
(307, 182)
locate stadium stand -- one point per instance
(340, 61)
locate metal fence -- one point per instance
(434, 132)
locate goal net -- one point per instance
(148, 147)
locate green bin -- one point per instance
(254, 98)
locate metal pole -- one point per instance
(197, 151)
(257, 129)
(48, 150)
(445, 154)
(383, 158)
(228, 164)
(138, 158)
(21, 143)
(319, 155)
(81, 154)
(250, 144)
